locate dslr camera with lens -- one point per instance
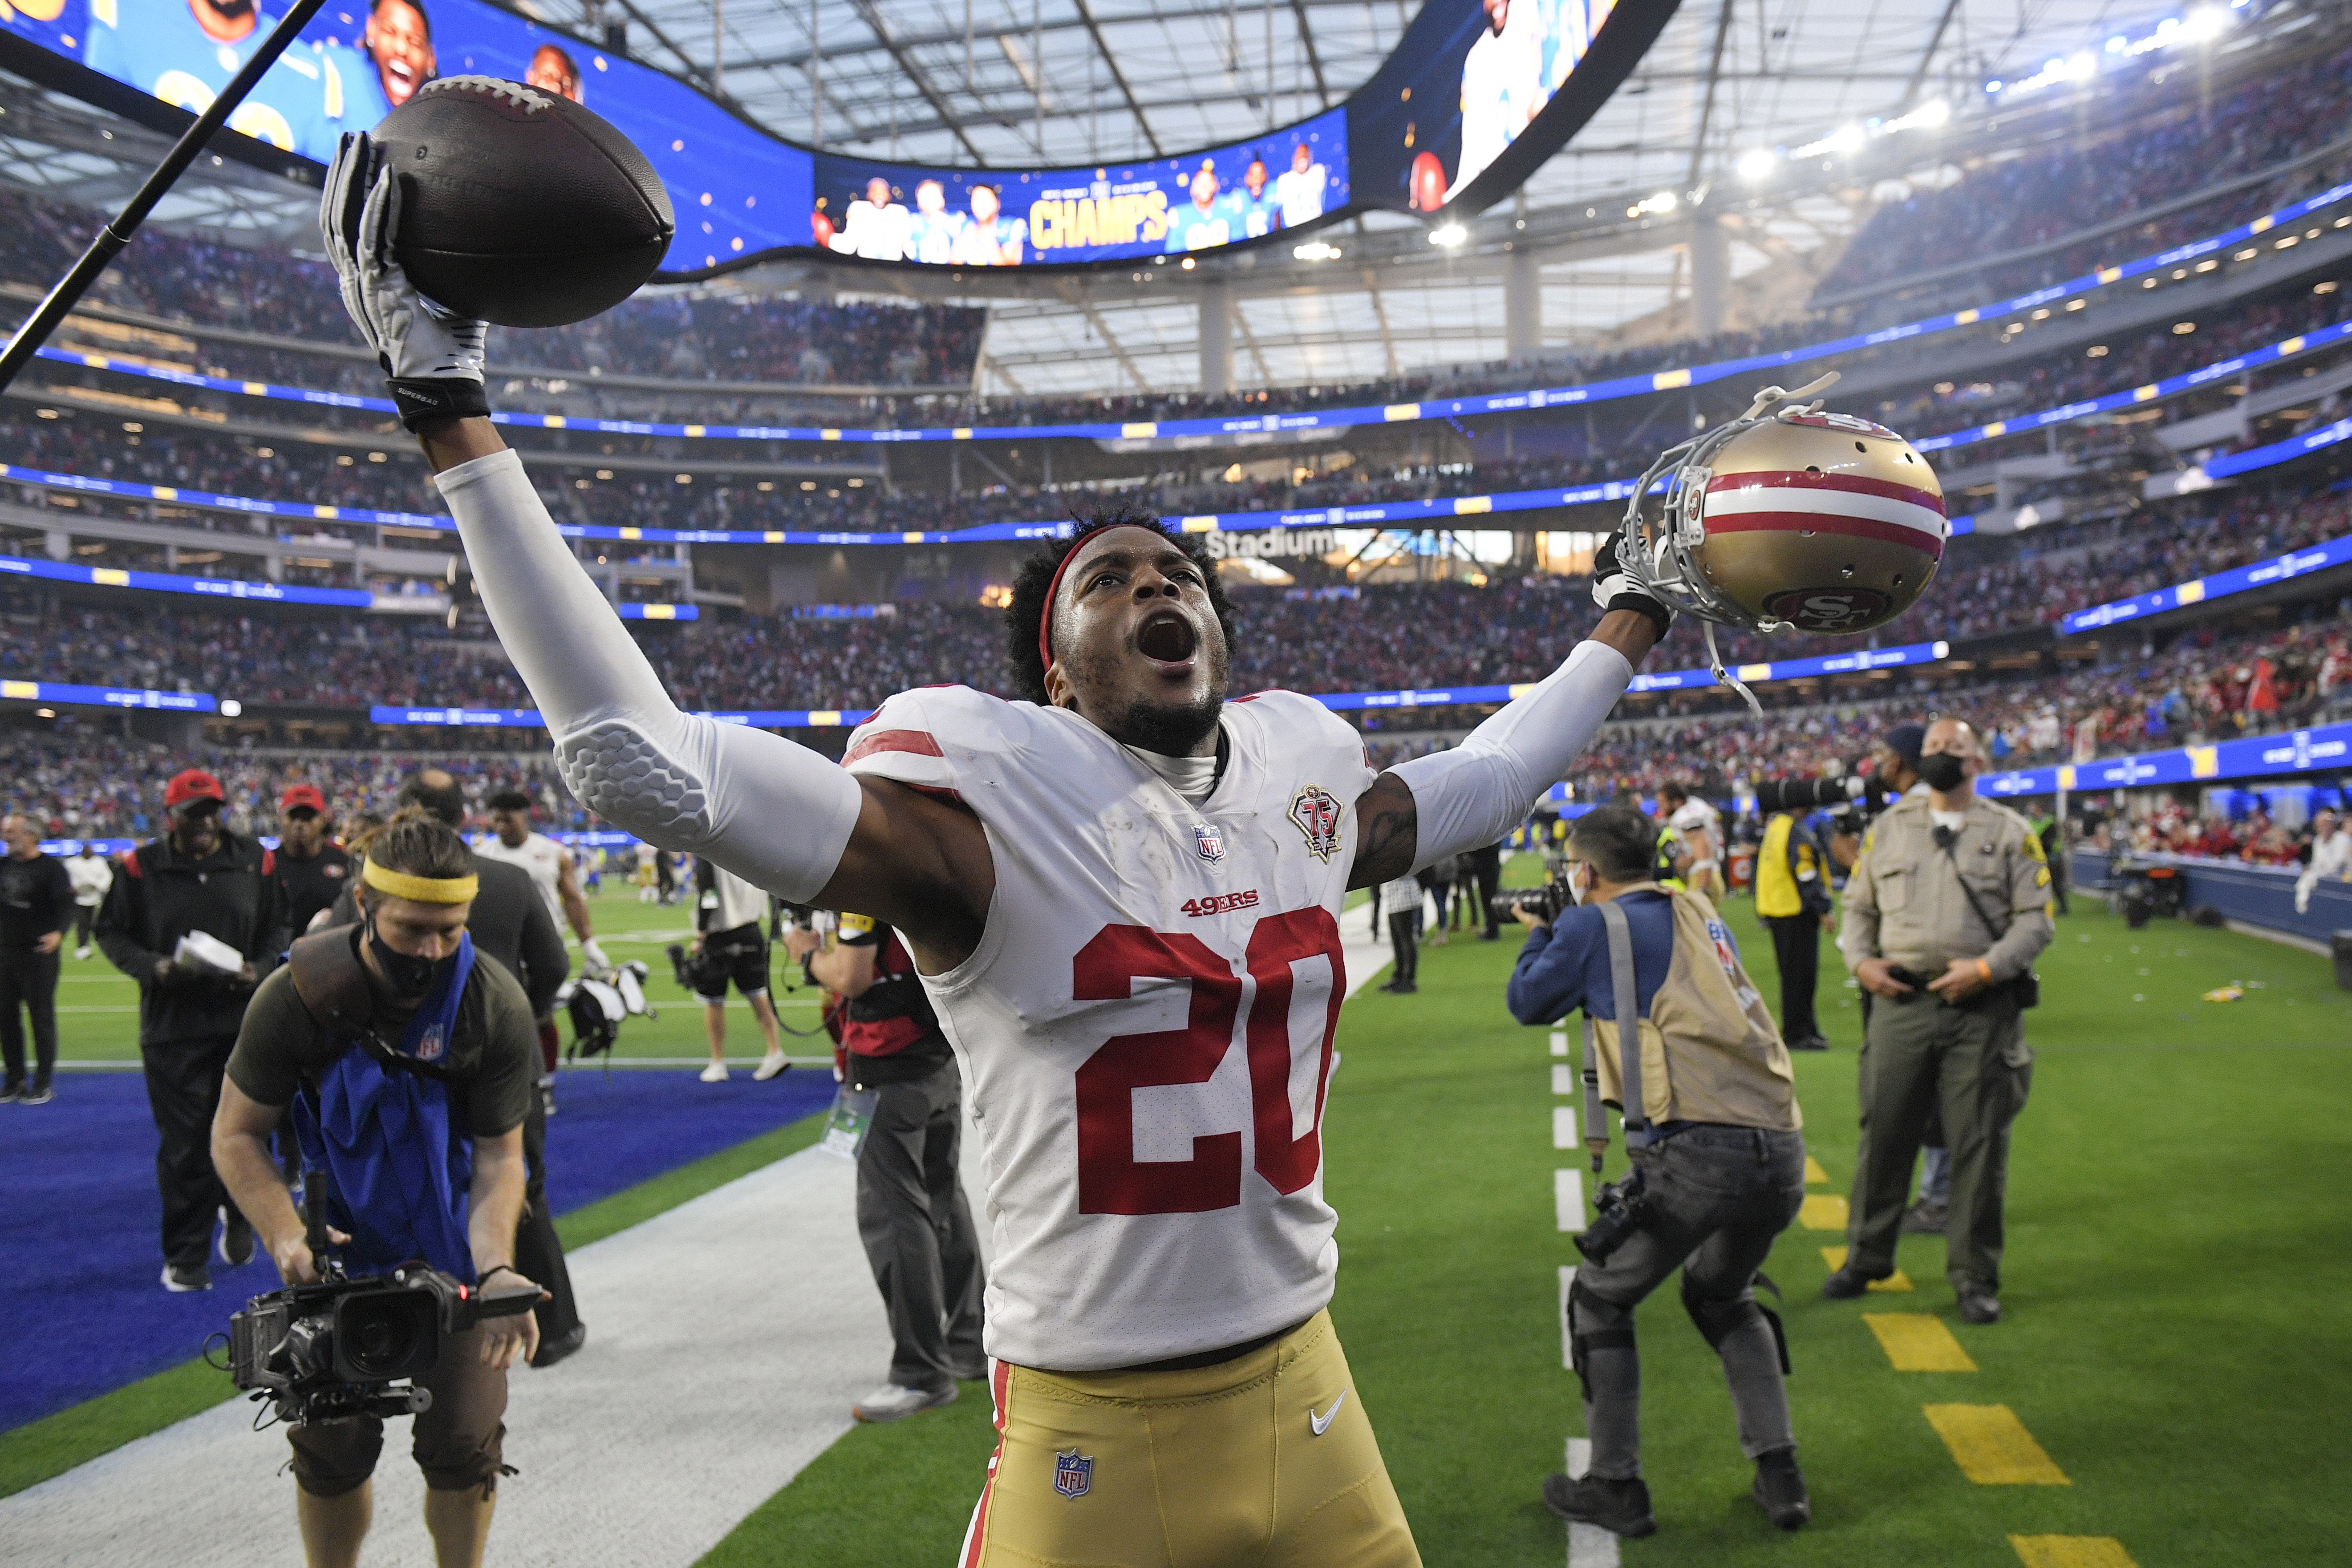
(1545, 902)
(341, 1348)
(1619, 1209)
(1868, 796)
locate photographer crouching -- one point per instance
(411, 1061)
(1711, 1127)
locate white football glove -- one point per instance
(1613, 587)
(431, 357)
(593, 956)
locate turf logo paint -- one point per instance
(1317, 812)
(1074, 1473)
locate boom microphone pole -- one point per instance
(118, 231)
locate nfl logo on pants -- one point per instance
(1073, 1473)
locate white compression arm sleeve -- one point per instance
(1476, 793)
(775, 814)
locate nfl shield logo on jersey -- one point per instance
(1317, 812)
(1209, 842)
(1073, 1473)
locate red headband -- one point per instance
(1054, 591)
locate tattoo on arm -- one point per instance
(1388, 832)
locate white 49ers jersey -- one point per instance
(1145, 1028)
(542, 856)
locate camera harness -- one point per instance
(1639, 1135)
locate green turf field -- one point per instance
(97, 1006)
(2176, 1279)
(2176, 1274)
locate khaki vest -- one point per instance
(1710, 1051)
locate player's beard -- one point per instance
(1174, 729)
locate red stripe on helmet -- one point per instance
(1852, 484)
(1828, 522)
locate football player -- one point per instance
(1204, 221)
(185, 51)
(1300, 189)
(1122, 895)
(1699, 827)
(991, 239)
(553, 70)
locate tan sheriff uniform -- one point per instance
(1904, 903)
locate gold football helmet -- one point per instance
(1787, 517)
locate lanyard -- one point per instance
(1638, 1131)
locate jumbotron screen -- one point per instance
(1477, 93)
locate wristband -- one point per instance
(419, 399)
(494, 1268)
(1984, 971)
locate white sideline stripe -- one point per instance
(1563, 1079)
(1567, 1199)
(1566, 1349)
(1563, 1127)
(1559, 1042)
(1588, 1545)
(729, 1336)
(771, 1261)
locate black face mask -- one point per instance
(410, 978)
(1942, 771)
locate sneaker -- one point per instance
(973, 1371)
(182, 1278)
(236, 1238)
(770, 1066)
(555, 1350)
(1977, 1304)
(1925, 1218)
(1620, 1507)
(715, 1073)
(1491, 936)
(39, 1093)
(1809, 1043)
(81, 954)
(11, 1093)
(1779, 1489)
(890, 1402)
(1407, 989)
(1847, 1283)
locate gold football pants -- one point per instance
(1267, 1460)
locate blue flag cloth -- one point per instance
(395, 1172)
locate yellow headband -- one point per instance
(423, 889)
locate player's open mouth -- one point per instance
(1167, 640)
(399, 77)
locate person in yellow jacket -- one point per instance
(1792, 900)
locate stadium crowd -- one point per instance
(712, 338)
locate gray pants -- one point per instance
(917, 1231)
(1718, 1196)
(1969, 1067)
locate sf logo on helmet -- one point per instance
(1828, 609)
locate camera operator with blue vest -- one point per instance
(1711, 1126)
(411, 1061)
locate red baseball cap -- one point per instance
(302, 795)
(192, 783)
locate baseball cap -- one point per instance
(192, 783)
(1905, 740)
(302, 795)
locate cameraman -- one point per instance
(410, 1060)
(731, 942)
(1946, 908)
(1715, 1142)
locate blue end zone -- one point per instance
(82, 1293)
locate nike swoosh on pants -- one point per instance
(1322, 1423)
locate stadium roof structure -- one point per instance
(1766, 129)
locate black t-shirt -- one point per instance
(312, 885)
(494, 1062)
(36, 899)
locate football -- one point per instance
(519, 207)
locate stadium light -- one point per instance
(1664, 202)
(1316, 250)
(1448, 234)
(231, 707)
(2204, 25)
(1755, 164)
